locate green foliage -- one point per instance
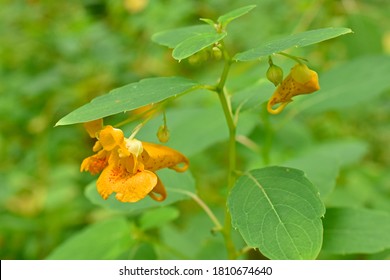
(189, 40)
(354, 230)
(156, 218)
(190, 125)
(225, 19)
(58, 56)
(278, 210)
(322, 163)
(129, 97)
(296, 40)
(174, 37)
(352, 83)
(106, 240)
(195, 44)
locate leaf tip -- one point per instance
(59, 123)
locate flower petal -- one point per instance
(135, 187)
(97, 147)
(129, 187)
(96, 163)
(130, 163)
(301, 73)
(111, 138)
(160, 190)
(278, 109)
(306, 79)
(156, 157)
(93, 127)
(284, 91)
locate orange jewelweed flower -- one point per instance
(128, 166)
(301, 80)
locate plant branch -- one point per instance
(226, 68)
(293, 57)
(204, 206)
(227, 110)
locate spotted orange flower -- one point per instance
(128, 166)
(301, 80)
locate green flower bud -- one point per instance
(217, 53)
(198, 58)
(195, 59)
(275, 74)
(163, 134)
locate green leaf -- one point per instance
(208, 21)
(192, 238)
(129, 97)
(105, 240)
(321, 170)
(176, 184)
(323, 162)
(158, 217)
(187, 41)
(296, 40)
(350, 231)
(355, 82)
(144, 251)
(366, 185)
(278, 210)
(225, 19)
(173, 37)
(195, 44)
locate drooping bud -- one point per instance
(302, 74)
(163, 134)
(300, 80)
(275, 74)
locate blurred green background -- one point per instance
(57, 55)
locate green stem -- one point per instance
(231, 175)
(225, 70)
(293, 57)
(203, 205)
(227, 110)
(268, 136)
(139, 126)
